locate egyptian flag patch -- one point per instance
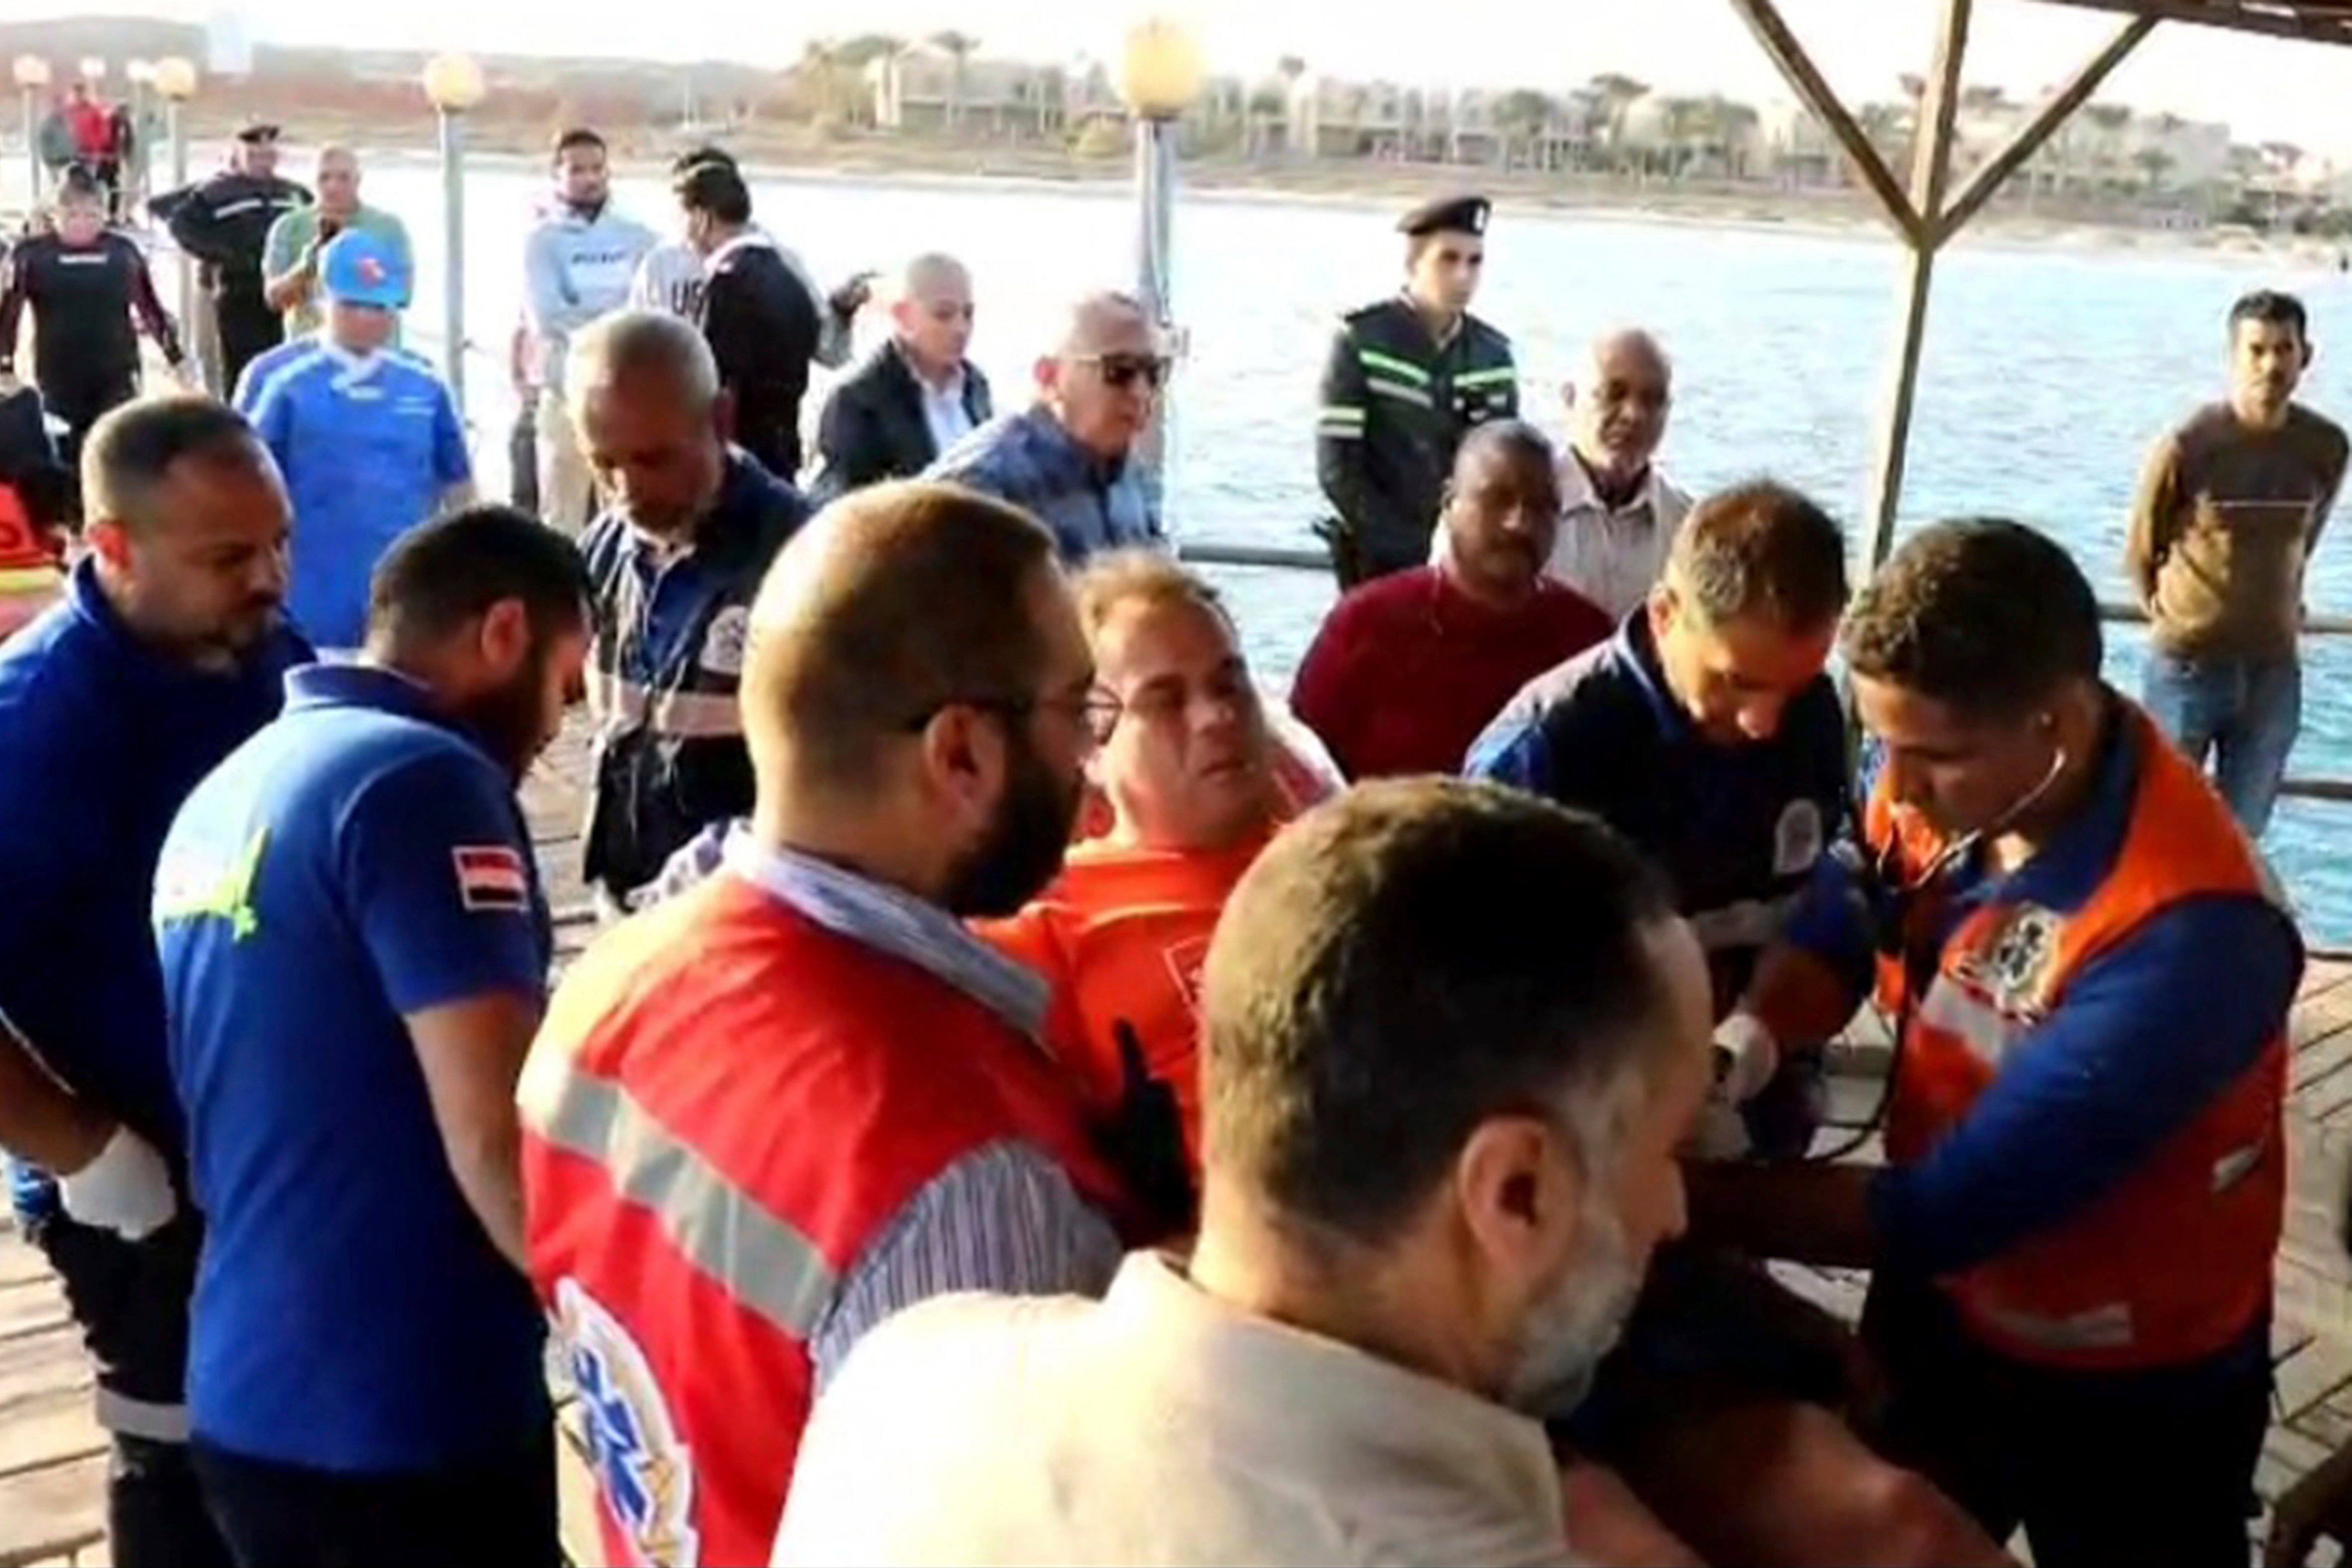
(491, 878)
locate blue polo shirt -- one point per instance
(2147, 1033)
(1739, 828)
(358, 860)
(367, 446)
(101, 737)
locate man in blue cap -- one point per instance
(366, 434)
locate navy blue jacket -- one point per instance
(105, 738)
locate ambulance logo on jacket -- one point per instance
(645, 1476)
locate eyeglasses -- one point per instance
(1120, 372)
(1096, 711)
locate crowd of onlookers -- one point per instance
(1033, 1097)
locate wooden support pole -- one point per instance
(1930, 168)
(2279, 21)
(1987, 182)
(1796, 67)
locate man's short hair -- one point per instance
(919, 599)
(1152, 577)
(1406, 962)
(717, 189)
(576, 136)
(131, 450)
(2270, 306)
(1762, 550)
(701, 154)
(1987, 616)
(1512, 437)
(79, 184)
(627, 343)
(442, 575)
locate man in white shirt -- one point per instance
(1440, 1148)
(1618, 513)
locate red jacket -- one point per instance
(726, 1103)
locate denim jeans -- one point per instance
(2243, 712)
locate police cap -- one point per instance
(1455, 214)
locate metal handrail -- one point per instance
(1298, 558)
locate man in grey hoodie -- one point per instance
(578, 266)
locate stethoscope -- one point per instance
(1889, 900)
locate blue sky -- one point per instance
(2268, 89)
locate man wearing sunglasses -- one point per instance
(1064, 459)
(2071, 1241)
(1407, 378)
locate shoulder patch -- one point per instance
(723, 643)
(1798, 839)
(491, 879)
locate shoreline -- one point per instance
(909, 165)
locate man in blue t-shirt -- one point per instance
(367, 435)
(165, 654)
(354, 948)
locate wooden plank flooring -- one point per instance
(52, 1454)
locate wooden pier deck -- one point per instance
(53, 1455)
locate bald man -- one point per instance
(1618, 512)
(915, 396)
(1066, 459)
(766, 1115)
(673, 564)
(290, 264)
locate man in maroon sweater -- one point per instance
(1409, 668)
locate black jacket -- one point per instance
(224, 223)
(1395, 407)
(874, 427)
(763, 324)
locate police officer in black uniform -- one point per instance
(1407, 378)
(225, 223)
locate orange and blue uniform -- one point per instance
(2085, 1181)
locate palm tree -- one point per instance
(1915, 87)
(958, 48)
(1523, 116)
(1732, 123)
(1267, 106)
(1681, 121)
(819, 77)
(1617, 94)
(2110, 117)
(1982, 98)
(2154, 163)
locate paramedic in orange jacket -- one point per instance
(2071, 1239)
(1187, 769)
(765, 1115)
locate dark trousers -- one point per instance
(496, 1512)
(2145, 1469)
(249, 328)
(81, 401)
(131, 1299)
